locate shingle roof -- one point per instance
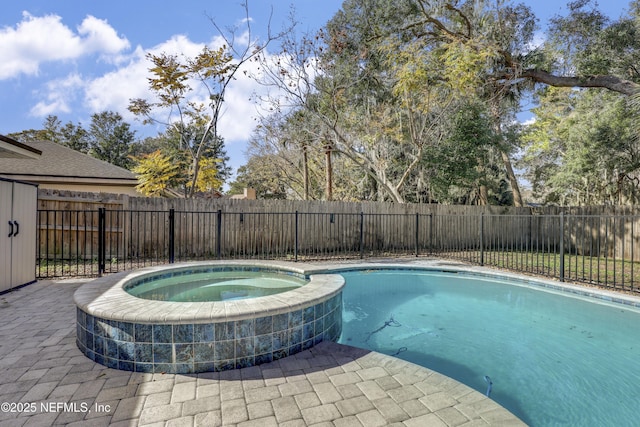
(10, 148)
(59, 161)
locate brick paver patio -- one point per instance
(45, 380)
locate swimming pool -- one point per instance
(552, 358)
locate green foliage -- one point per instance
(457, 162)
(111, 139)
(582, 149)
(258, 174)
(417, 98)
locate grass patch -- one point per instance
(608, 272)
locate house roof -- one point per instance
(12, 149)
(61, 164)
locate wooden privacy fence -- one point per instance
(589, 244)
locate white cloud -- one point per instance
(60, 94)
(99, 36)
(128, 78)
(113, 90)
(36, 40)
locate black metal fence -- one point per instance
(590, 249)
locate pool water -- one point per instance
(552, 359)
(216, 286)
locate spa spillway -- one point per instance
(209, 316)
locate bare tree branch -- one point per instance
(610, 82)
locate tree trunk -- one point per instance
(513, 180)
(483, 191)
(484, 195)
(511, 176)
(328, 174)
(305, 171)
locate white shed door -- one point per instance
(25, 205)
(6, 196)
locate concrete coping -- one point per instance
(106, 298)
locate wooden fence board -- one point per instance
(136, 225)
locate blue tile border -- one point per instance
(217, 346)
(581, 290)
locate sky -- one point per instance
(75, 58)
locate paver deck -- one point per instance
(45, 380)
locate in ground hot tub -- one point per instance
(208, 284)
(122, 331)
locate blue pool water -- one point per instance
(553, 359)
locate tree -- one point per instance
(211, 71)
(70, 135)
(156, 173)
(259, 174)
(369, 104)
(582, 150)
(568, 59)
(384, 84)
(111, 139)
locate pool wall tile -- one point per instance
(224, 331)
(263, 358)
(162, 334)
(111, 363)
(203, 333)
(144, 367)
(143, 353)
(182, 333)
(126, 366)
(143, 333)
(244, 347)
(295, 318)
(99, 359)
(204, 367)
(264, 325)
(245, 328)
(280, 322)
(206, 347)
(280, 340)
(308, 314)
(263, 344)
(245, 362)
(183, 353)
(203, 352)
(162, 353)
(126, 351)
(225, 350)
(279, 354)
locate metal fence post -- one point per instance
(102, 241)
(562, 246)
(361, 234)
(172, 235)
(295, 249)
(219, 234)
(482, 239)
